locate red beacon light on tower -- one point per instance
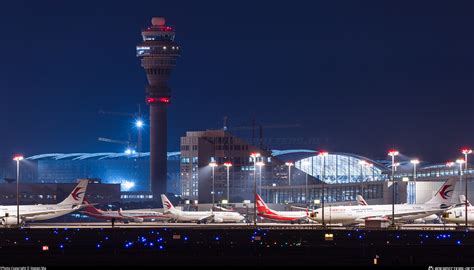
(152, 100)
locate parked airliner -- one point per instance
(290, 216)
(199, 216)
(138, 215)
(350, 215)
(8, 214)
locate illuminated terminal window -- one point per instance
(342, 168)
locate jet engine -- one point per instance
(218, 220)
(138, 220)
(8, 221)
(429, 219)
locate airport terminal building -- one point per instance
(340, 177)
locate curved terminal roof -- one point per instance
(97, 156)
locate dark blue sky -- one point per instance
(357, 76)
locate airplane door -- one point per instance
(458, 213)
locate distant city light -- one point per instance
(127, 185)
(130, 151)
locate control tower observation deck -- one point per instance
(158, 53)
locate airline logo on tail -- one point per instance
(75, 193)
(167, 205)
(444, 192)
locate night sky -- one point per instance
(358, 77)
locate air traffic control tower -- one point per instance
(158, 53)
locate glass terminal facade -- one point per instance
(342, 168)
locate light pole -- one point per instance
(139, 124)
(393, 153)
(289, 164)
(370, 166)
(461, 161)
(18, 158)
(260, 164)
(306, 197)
(362, 164)
(413, 183)
(466, 152)
(213, 165)
(228, 165)
(254, 159)
(323, 154)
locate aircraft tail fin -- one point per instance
(361, 200)
(76, 197)
(261, 205)
(445, 193)
(167, 205)
(90, 208)
(463, 200)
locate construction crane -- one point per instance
(260, 127)
(138, 116)
(102, 139)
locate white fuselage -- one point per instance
(197, 216)
(358, 214)
(56, 211)
(130, 214)
(457, 215)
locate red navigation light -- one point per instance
(18, 158)
(45, 248)
(323, 153)
(393, 152)
(152, 100)
(164, 100)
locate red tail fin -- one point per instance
(261, 206)
(90, 209)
